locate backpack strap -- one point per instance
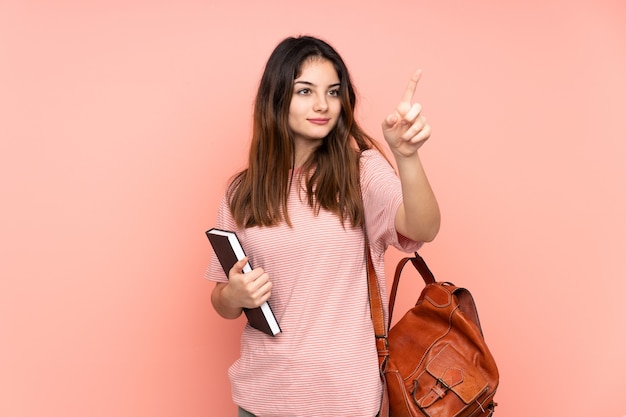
(421, 267)
(380, 330)
(464, 297)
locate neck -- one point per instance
(303, 151)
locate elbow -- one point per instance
(424, 231)
(433, 229)
(425, 235)
(419, 226)
(430, 235)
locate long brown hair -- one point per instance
(258, 195)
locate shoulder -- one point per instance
(374, 163)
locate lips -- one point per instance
(319, 121)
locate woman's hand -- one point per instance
(249, 290)
(406, 130)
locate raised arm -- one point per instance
(406, 130)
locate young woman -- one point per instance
(315, 182)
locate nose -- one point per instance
(321, 105)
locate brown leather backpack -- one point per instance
(434, 362)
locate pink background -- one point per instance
(121, 122)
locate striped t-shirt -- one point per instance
(324, 362)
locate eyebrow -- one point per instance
(312, 84)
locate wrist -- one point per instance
(409, 160)
(228, 299)
(225, 303)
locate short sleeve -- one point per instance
(225, 221)
(382, 196)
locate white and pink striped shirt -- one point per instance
(324, 363)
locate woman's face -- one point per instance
(315, 105)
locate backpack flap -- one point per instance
(448, 371)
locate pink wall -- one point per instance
(121, 122)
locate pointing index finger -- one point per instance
(407, 97)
